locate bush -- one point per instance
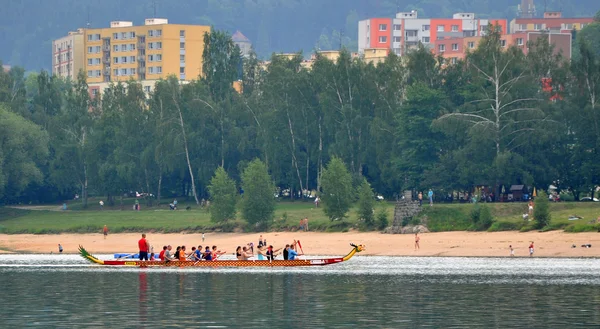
(582, 227)
(382, 219)
(366, 203)
(541, 213)
(223, 195)
(337, 195)
(481, 218)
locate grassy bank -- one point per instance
(441, 217)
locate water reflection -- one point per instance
(366, 292)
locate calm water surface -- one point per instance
(63, 291)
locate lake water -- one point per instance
(64, 291)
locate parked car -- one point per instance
(589, 199)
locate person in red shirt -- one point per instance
(144, 246)
(161, 256)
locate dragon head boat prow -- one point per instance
(88, 256)
(357, 248)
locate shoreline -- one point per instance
(552, 244)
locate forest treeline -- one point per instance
(498, 117)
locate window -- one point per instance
(132, 71)
(159, 45)
(131, 35)
(455, 47)
(90, 50)
(182, 45)
(382, 27)
(426, 27)
(454, 28)
(116, 48)
(95, 92)
(382, 39)
(181, 58)
(123, 71)
(123, 35)
(159, 69)
(151, 33)
(131, 46)
(151, 45)
(115, 60)
(97, 49)
(132, 59)
(182, 33)
(90, 36)
(482, 27)
(96, 61)
(523, 27)
(453, 60)
(116, 72)
(124, 59)
(158, 57)
(442, 48)
(158, 33)
(98, 73)
(116, 36)
(520, 41)
(147, 89)
(440, 28)
(568, 26)
(397, 27)
(582, 25)
(502, 43)
(396, 39)
(471, 44)
(150, 58)
(123, 47)
(151, 70)
(182, 70)
(90, 74)
(425, 39)
(537, 27)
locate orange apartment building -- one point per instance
(406, 30)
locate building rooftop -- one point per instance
(6, 68)
(239, 37)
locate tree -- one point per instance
(23, 147)
(337, 195)
(222, 63)
(258, 204)
(366, 203)
(223, 194)
(541, 213)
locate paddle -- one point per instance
(300, 245)
(126, 256)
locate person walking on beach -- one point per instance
(105, 231)
(512, 251)
(60, 248)
(531, 249)
(417, 239)
(430, 196)
(202, 237)
(144, 246)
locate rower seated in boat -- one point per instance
(182, 254)
(168, 257)
(215, 253)
(271, 254)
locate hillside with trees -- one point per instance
(27, 27)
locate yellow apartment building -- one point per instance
(150, 52)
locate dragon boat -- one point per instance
(224, 263)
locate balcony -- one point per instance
(106, 47)
(106, 60)
(141, 58)
(141, 45)
(411, 38)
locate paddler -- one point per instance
(168, 256)
(144, 246)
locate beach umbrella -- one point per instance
(534, 192)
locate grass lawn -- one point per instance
(440, 217)
(159, 219)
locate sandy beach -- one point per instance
(548, 244)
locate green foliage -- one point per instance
(258, 203)
(541, 213)
(223, 195)
(366, 203)
(499, 226)
(337, 194)
(481, 217)
(382, 218)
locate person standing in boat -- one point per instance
(144, 247)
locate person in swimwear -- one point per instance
(238, 253)
(177, 252)
(216, 253)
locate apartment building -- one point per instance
(123, 51)
(406, 30)
(552, 22)
(454, 49)
(68, 55)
